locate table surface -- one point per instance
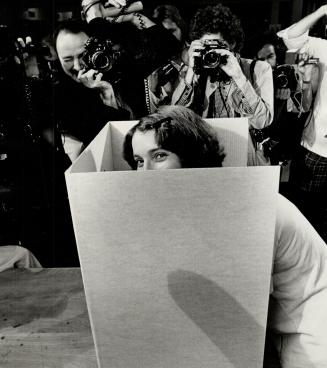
(43, 320)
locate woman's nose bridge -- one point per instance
(147, 164)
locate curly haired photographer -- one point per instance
(218, 82)
(107, 61)
(308, 173)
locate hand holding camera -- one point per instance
(113, 10)
(283, 93)
(103, 58)
(26, 55)
(93, 79)
(306, 67)
(288, 78)
(213, 58)
(232, 67)
(285, 77)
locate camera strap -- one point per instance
(252, 66)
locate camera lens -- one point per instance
(102, 62)
(211, 59)
(282, 81)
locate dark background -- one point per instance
(256, 15)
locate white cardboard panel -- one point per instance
(105, 152)
(97, 156)
(176, 264)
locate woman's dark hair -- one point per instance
(181, 131)
(218, 19)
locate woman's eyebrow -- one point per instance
(156, 149)
(150, 151)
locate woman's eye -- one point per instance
(160, 156)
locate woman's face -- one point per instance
(149, 156)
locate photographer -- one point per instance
(308, 173)
(163, 81)
(293, 96)
(33, 203)
(107, 61)
(218, 82)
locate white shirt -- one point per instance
(315, 47)
(298, 305)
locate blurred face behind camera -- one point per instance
(173, 28)
(267, 53)
(70, 48)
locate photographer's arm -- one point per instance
(139, 20)
(255, 99)
(297, 36)
(116, 11)
(26, 59)
(306, 71)
(302, 26)
(307, 96)
(184, 92)
(93, 80)
(159, 44)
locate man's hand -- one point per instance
(116, 3)
(194, 52)
(283, 93)
(92, 79)
(308, 71)
(95, 9)
(23, 57)
(232, 67)
(305, 70)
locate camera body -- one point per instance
(210, 59)
(100, 55)
(166, 73)
(285, 76)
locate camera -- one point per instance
(209, 58)
(209, 61)
(100, 55)
(285, 76)
(166, 73)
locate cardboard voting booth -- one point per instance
(176, 264)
